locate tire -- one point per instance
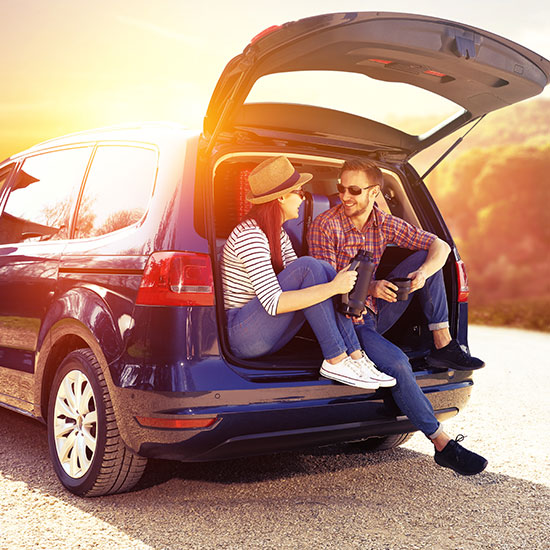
(87, 452)
(375, 444)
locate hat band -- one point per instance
(281, 187)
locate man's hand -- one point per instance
(383, 289)
(418, 279)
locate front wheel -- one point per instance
(86, 449)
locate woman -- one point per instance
(269, 292)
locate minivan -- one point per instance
(112, 328)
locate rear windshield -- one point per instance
(402, 106)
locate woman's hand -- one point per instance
(344, 281)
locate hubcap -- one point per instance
(75, 424)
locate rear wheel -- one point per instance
(87, 452)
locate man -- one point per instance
(358, 223)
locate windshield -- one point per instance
(402, 106)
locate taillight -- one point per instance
(177, 279)
(463, 288)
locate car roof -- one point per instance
(148, 132)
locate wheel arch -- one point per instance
(64, 337)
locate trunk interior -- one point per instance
(410, 333)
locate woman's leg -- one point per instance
(306, 272)
(252, 332)
(345, 324)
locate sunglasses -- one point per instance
(300, 193)
(353, 189)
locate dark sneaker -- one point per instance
(459, 459)
(452, 356)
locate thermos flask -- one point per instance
(353, 303)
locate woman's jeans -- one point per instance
(390, 359)
(253, 332)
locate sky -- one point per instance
(71, 65)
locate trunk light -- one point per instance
(177, 279)
(382, 61)
(463, 288)
(435, 73)
(176, 423)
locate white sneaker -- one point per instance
(369, 369)
(349, 372)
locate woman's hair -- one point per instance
(269, 218)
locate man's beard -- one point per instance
(356, 211)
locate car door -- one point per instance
(34, 225)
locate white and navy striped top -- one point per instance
(247, 271)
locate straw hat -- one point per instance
(273, 178)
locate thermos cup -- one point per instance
(353, 303)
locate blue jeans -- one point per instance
(390, 359)
(253, 332)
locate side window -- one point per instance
(41, 198)
(117, 189)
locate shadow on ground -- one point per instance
(330, 497)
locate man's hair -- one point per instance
(373, 173)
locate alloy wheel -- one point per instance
(75, 424)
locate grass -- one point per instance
(528, 313)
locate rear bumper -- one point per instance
(267, 420)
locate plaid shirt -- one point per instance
(333, 237)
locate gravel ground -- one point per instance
(333, 497)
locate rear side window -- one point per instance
(42, 197)
(117, 189)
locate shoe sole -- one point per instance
(461, 472)
(442, 364)
(349, 381)
(388, 384)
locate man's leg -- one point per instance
(413, 403)
(407, 394)
(433, 300)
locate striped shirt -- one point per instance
(247, 271)
(333, 237)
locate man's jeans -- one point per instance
(253, 332)
(390, 359)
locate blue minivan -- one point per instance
(112, 329)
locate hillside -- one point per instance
(494, 193)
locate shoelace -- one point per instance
(372, 367)
(459, 438)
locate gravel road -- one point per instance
(329, 498)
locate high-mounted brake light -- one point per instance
(463, 288)
(176, 423)
(177, 279)
(265, 32)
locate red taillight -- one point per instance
(463, 288)
(176, 423)
(177, 279)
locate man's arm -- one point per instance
(438, 253)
